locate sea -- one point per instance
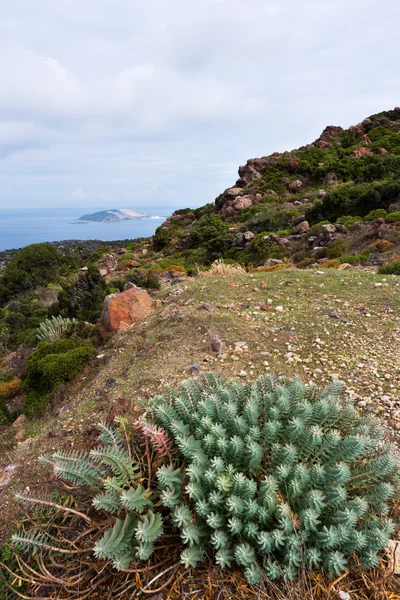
(21, 227)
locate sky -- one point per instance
(114, 103)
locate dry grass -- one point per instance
(221, 269)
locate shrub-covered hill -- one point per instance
(279, 205)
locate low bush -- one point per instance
(381, 245)
(126, 263)
(379, 213)
(393, 217)
(336, 248)
(331, 264)
(392, 269)
(9, 389)
(348, 221)
(5, 416)
(220, 268)
(51, 365)
(355, 259)
(271, 268)
(305, 262)
(144, 279)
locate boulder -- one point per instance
(272, 261)
(382, 151)
(124, 309)
(344, 266)
(302, 227)
(242, 202)
(233, 192)
(328, 229)
(248, 236)
(295, 185)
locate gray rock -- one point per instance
(272, 261)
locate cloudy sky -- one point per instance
(109, 103)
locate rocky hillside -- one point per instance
(336, 198)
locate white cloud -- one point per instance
(111, 97)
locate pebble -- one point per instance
(279, 308)
(242, 374)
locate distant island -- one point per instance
(113, 215)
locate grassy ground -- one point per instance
(357, 344)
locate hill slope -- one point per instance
(277, 207)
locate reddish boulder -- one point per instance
(302, 227)
(242, 202)
(124, 309)
(363, 151)
(295, 186)
(233, 192)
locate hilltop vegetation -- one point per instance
(280, 203)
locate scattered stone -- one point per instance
(242, 374)
(193, 368)
(20, 435)
(334, 314)
(190, 301)
(7, 473)
(111, 383)
(19, 421)
(344, 266)
(129, 285)
(216, 345)
(206, 306)
(83, 269)
(279, 308)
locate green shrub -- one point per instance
(379, 213)
(5, 416)
(355, 259)
(348, 221)
(9, 389)
(51, 365)
(83, 299)
(331, 264)
(34, 265)
(143, 278)
(53, 329)
(115, 484)
(393, 217)
(279, 476)
(336, 248)
(392, 269)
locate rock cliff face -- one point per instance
(124, 309)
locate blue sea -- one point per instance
(21, 227)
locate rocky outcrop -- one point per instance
(326, 137)
(124, 309)
(359, 152)
(255, 168)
